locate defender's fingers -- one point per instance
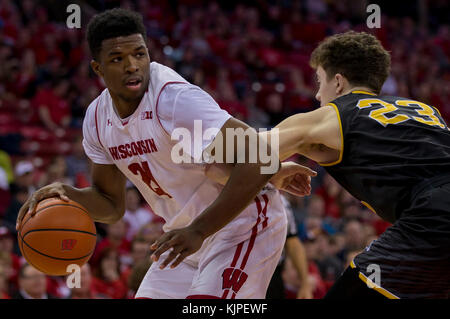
(296, 192)
(304, 170)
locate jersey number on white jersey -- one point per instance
(147, 177)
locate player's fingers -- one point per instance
(162, 246)
(302, 178)
(303, 170)
(62, 195)
(180, 258)
(160, 240)
(300, 183)
(23, 210)
(295, 191)
(172, 255)
(33, 205)
(298, 187)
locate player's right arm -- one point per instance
(104, 200)
(316, 135)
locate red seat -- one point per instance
(36, 133)
(43, 148)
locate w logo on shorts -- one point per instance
(68, 244)
(233, 278)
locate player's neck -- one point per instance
(357, 88)
(124, 108)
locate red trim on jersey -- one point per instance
(264, 211)
(96, 124)
(202, 297)
(157, 101)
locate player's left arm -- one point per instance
(316, 135)
(244, 183)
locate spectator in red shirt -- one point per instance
(140, 254)
(107, 281)
(86, 290)
(115, 239)
(5, 269)
(7, 247)
(54, 111)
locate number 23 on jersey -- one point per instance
(425, 113)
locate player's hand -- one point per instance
(52, 190)
(184, 242)
(293, 178)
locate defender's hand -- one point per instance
(293, 178)
(52, 190)
(183, 241)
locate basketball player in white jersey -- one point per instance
(225, 240)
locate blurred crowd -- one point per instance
(252, 58)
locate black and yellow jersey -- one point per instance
(390, 145)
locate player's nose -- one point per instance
(131, 65)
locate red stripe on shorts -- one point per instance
(251, 243)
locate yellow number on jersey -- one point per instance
(425, 110)
(379, 114)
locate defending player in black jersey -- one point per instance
(393, 154)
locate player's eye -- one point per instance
(117, 59)
(140, 54)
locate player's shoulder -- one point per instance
(96, 109)
(99, 103)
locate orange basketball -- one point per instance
(60, 234)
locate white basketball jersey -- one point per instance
(141, 147)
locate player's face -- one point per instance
(124, 66)
(327, 88)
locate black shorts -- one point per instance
(413, 255)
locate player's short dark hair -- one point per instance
(358, 56)
(113, 23)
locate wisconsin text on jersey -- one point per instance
(132, 149)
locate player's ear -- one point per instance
(339, 83)
(96, 68)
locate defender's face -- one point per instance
(327, 88)
(124, 66)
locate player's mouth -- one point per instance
(133, 83)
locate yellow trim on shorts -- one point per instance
(341, 153)
(381, 290)
(363, 92)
